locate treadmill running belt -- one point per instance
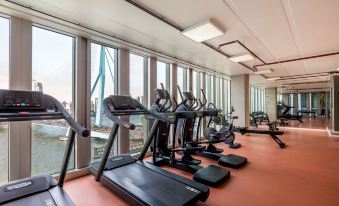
(161, 188)
(41, 199)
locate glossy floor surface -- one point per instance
(306, 172)
(310, 123)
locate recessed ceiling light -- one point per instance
(241, 58)
(203, 31)
(263, 71)
(273, 78)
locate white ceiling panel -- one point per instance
(273, 29)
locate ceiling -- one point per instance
(275, 30)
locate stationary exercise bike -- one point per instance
(225, 131)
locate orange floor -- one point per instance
(306, 172)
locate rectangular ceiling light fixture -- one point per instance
(273, 78)
(263, 71)
(241, 58)
(203, 31)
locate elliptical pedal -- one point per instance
(211, 175)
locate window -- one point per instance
(4, 83)
(303, 99)
(182, 81)
(257, 99)
(137, 91)
(209, 88)
(163, 75)
(52, 73)
(103, 74)
(196, 84)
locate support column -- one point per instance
(82, 94)
(295, 103)
(174, 80)
(190, 80)
(335, 103)
(319, 104)
(203, 86)
(152, 79)
(20, 78)
(123, 89)
(240, 99)
(308, 101)
(213, 82)
(271, 103)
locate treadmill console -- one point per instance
(122, 102)
(21, 100)
(188, 95)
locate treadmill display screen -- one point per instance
(122, 103)
(20, 99)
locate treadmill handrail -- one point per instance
(69, 119)
(117, 120)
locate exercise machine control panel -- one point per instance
(188, 96)
(11, 99)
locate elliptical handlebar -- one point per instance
(163, 105)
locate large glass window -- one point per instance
(182, 80)
(163, 75)
(52, 73)
(103, 83)
(137, 91)
(217, 92)
(4, 83)
(303, 100)
(257, 99)
(196, 84)
(209, 87)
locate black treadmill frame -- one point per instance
(125, 190)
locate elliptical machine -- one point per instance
(163, 154)
(229, 160)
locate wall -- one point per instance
(335, 103)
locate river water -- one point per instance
(47, 149)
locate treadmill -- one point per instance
(40, 190)
(137, 181)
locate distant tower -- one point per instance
(38, 86)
